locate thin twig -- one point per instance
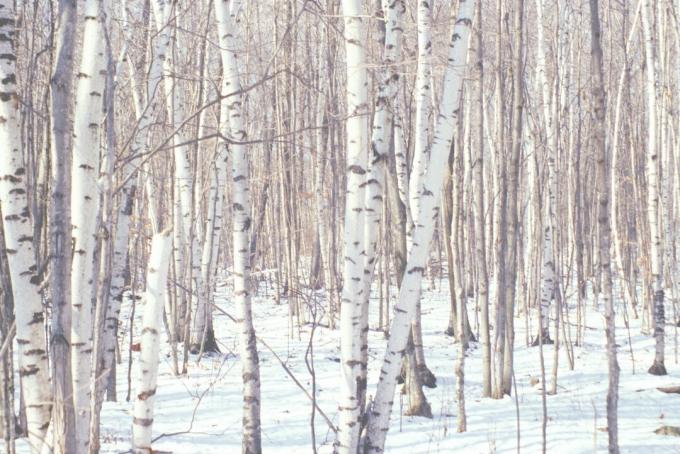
(288, 371)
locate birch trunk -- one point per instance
(421, 158)
(375, 181)
(352, 381)
(548, 264)
(63, 424)
(18, 235)
(156, 281)
(653, 202)
(227, 26)
(501, 195)
(213, 227)
(85, 205)
(105, 321)
(401, 160)
(321, 202)
(145, 117)
(423, 101)
(480, 221)
(409, 293)
(513, 195)
(202, 336)
(604, 223)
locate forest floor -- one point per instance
(200, 412)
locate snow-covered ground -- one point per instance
(201, 412)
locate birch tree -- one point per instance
(352, 382)
(61, 91)
(85, 204)
(226, 14)
(156, 281)
(604, 226)
(478, 205)
(409, 293)
(18, 235)
(139, 142)
(548, 276)
(653, 200)
(514, 192)
(423, 100)
(375, 180)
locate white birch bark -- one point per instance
(18, 230)
(352, 379)
(548, 263)
(423, 99)
(400, 159)
(514, 192)
(129, 188)
(209, 239)
(213, 227)
(84, 205)
(375, 181)
(156, 281)
(185, 244)
(409, 293)
(382, 126)
(227, 26)
(482, 294)
(653, 202)
(614, 190)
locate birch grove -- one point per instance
(234, 225)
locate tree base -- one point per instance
(427, 378)
(657, 369)
(546, 340)
(423, 410)
(209, 344)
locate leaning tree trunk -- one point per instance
(227, 25)
(375, 181)
(156, 281)
(119, 259)
(409, 293)
(18, 232)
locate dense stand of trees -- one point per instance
(526, 150)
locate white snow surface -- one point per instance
(200, 412)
